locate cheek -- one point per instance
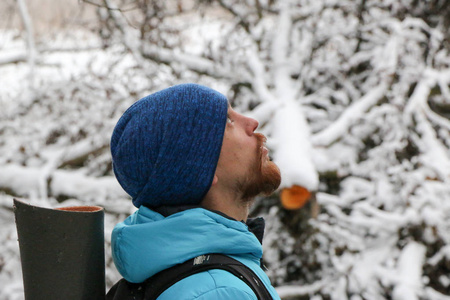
(238, 150)
(242, 151)
(227, 153)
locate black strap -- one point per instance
(153, 287)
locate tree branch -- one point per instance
(31, 46)
(25, 181)
(355, 111)
(242, 21)
(13, 58)
(192, 62)
(110, 8)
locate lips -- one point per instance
(263, 150)
(264, 153)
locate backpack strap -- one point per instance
(154, 286)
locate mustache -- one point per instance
(261, 141)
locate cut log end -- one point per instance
(294, 197)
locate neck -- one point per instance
(232, 206)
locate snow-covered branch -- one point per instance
(130, 35)
(76, 153)
(354, 112)
(241, 18)
(410, 272)
(283, 83)
(260, 86)
(26, 181)
(434, 152)
(293, 155)
(31, 46)
(264, 111)
(290, 129)
(286, 292)
(12, 58)
(191, 62)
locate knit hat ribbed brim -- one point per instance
(166, 146)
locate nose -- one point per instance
(252, 124)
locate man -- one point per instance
(193, 167)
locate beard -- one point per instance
(264, 176)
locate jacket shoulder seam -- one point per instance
(213, 279)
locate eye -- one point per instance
(229, 119)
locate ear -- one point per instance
(215, 180)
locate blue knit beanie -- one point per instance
(166, 146)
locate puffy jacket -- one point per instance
(147, 243)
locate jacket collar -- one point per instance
(255, 225)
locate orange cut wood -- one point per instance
(294, 197)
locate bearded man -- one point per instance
(193, 167)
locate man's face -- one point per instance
(244, 165)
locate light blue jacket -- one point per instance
(147, 243)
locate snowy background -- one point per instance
(353, 95)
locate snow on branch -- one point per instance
(31, 46)
(145, 51)
(241, 18)
(420, 95)
(366, 217)
(443, 80)
(354, 112)
(443, 253)
(280, 56)
(269, 104)
(76, 153)
(18, 180)
(12, 58)
(432, 294)
(192, 62)
(80, 186)
(340, 235)
(304, 290)
(409, 270)
(290, 129)
(130, 35)
(435, 154)
(264, 111)
(258, 82)
(390, 220)
(294, 153)
(26, 181)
